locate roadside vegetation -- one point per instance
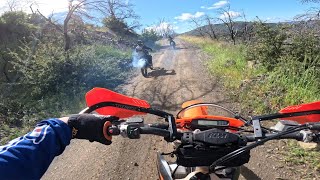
(278, 67)
(47, 65)
(40, 79)
(274, 78)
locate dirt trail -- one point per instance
(164, 89)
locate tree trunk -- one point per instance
(66, 41)
(233, 39)
(5, 71)
(65, 33)
(212, 31)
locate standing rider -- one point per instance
(171, 42)
(170, 38)
(142, 49)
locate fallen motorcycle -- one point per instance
(205, 146)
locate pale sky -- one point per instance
(46, 7)
(179, 12)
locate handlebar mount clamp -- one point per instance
(133, 131)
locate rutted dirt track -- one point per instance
(164, 89)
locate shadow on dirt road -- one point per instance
(161, 72)
(182, 77)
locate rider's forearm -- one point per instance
(29, 156)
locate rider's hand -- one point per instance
(90, 127)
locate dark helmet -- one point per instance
(140, 42)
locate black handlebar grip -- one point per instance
(296, 135)
(155, 131)
(160, 126)
(314, 126)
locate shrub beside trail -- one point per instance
(278, 68)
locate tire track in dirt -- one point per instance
(165, 90)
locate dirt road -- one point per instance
(164, 89)
(181, 76)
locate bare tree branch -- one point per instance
(198, 26)
(309, 1)
(122, 11)
(247, 29)
(210, 25)
(80, 8)
(12, 5)
(227, 18)
(50, 21)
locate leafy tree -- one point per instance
(15, 27)
(267, 45)
(149, 37)
(42, 78)
(118, 26)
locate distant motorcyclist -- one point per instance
(171, 42)
(143, 50)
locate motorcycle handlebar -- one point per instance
(134, 132)
(250, 137)
(155, 131)
(297, 136)
(314, 126)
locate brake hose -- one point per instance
(236, 153)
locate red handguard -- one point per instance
(300, 108)
(98, 95)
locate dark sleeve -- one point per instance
(146, 47)
(29, 156)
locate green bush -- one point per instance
(14, 28)
(267, 45)
(286, 73)
(149, 37)
(304, 47)
(290, 53)
(53, 82)
(118, 26)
